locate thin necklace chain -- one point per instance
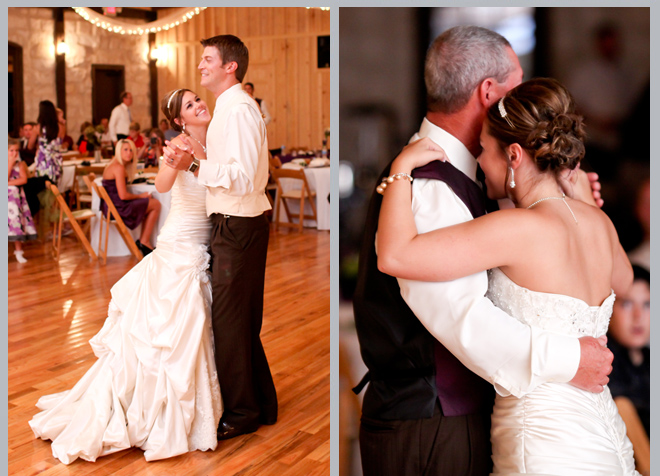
(203, 146)
(563, 197)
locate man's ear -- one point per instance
(515, 153)
(232, 66)
(487, 94)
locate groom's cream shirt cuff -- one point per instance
(514, 357)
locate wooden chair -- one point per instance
(74, 218)
(112, 218)
(80, 195)
(636, 433)
(300, 194)
(271, 186)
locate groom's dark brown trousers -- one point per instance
(239, 246)
(437, 446)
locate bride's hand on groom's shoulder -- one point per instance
(582, 185)
(417, 154)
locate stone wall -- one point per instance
(32, 28)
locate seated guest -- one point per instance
(134, 135)
(629, 335)
(133, 209)
(28, 146)
(82, 142)
(153, 149)
(168, 132)
(104, 137)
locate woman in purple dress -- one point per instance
(21, 226)
(133, 209)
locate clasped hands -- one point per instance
(178, 155)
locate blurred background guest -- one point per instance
(135, 135)
(629, 335)
(28, 145)
(48, 161)
(605, 102)
(641, 254)
(134, 209)
(167, 131)
(67, 141)
(21, 225)
(153, 149)
(120, 117)
(249, 88)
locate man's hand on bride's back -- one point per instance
(416, 154)
(595, 364)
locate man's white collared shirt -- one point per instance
(236, 170)
(513, 356)
(120, 120)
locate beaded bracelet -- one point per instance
(383, 185)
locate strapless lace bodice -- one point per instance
(187, 221)
(553, 312)
(557, 429)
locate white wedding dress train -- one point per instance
(154, 384)
(557, 429)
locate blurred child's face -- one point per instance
(630, 325)
(13, 151)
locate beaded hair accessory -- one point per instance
(169, 101)
(503, 112)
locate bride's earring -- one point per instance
(183, 127)
(512, 182)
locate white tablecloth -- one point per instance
(318, 179)
(116, 246)
(69, 170)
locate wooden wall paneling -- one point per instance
(284, 38)
(279, 21)
(307, 106)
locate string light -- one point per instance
(115, 25)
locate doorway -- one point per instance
(15, 67)
(107, 86)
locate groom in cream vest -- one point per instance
(235, 174)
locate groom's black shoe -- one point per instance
(227, 430)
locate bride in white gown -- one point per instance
(154, 385)
(555, 263)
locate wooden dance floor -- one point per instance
(55, 308)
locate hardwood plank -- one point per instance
(55, 308)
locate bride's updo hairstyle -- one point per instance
(540, 116)
(171, 106)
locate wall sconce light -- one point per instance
(62, 48)
(156, 53)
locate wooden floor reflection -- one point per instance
(55, 308)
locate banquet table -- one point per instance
(116, 246)
(69, 171)
(318, 179)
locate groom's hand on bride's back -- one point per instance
(595, 364)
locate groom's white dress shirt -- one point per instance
(235, 171)
(514, 357)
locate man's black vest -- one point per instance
(408, 369)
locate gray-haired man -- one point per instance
(425, 411)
